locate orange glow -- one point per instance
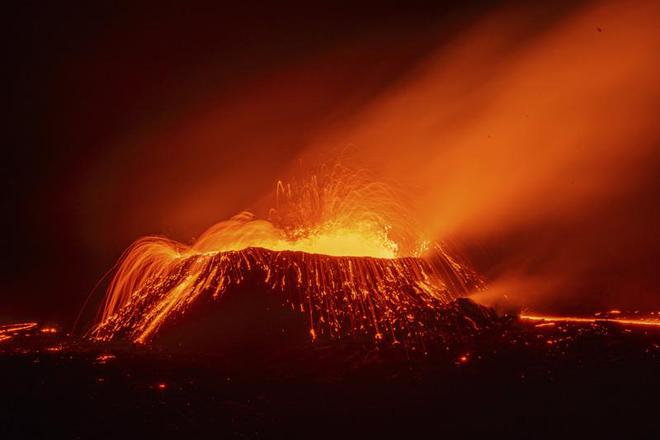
(576, 319)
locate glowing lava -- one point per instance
(342, 296)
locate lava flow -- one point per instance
(8, 331)
(653, 322)
(328, 250)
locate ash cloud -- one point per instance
(538, 150)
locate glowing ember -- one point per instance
(104, 358)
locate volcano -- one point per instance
(301, 296)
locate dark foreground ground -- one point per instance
(521, 380)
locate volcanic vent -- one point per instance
(326, 254)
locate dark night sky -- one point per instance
(100, 99)
(82, 77)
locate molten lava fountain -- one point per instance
(328, 251)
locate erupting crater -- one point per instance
(399, 299)
(327, 253)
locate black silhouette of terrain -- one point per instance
(512, 378)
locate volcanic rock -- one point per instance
(261, 296)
